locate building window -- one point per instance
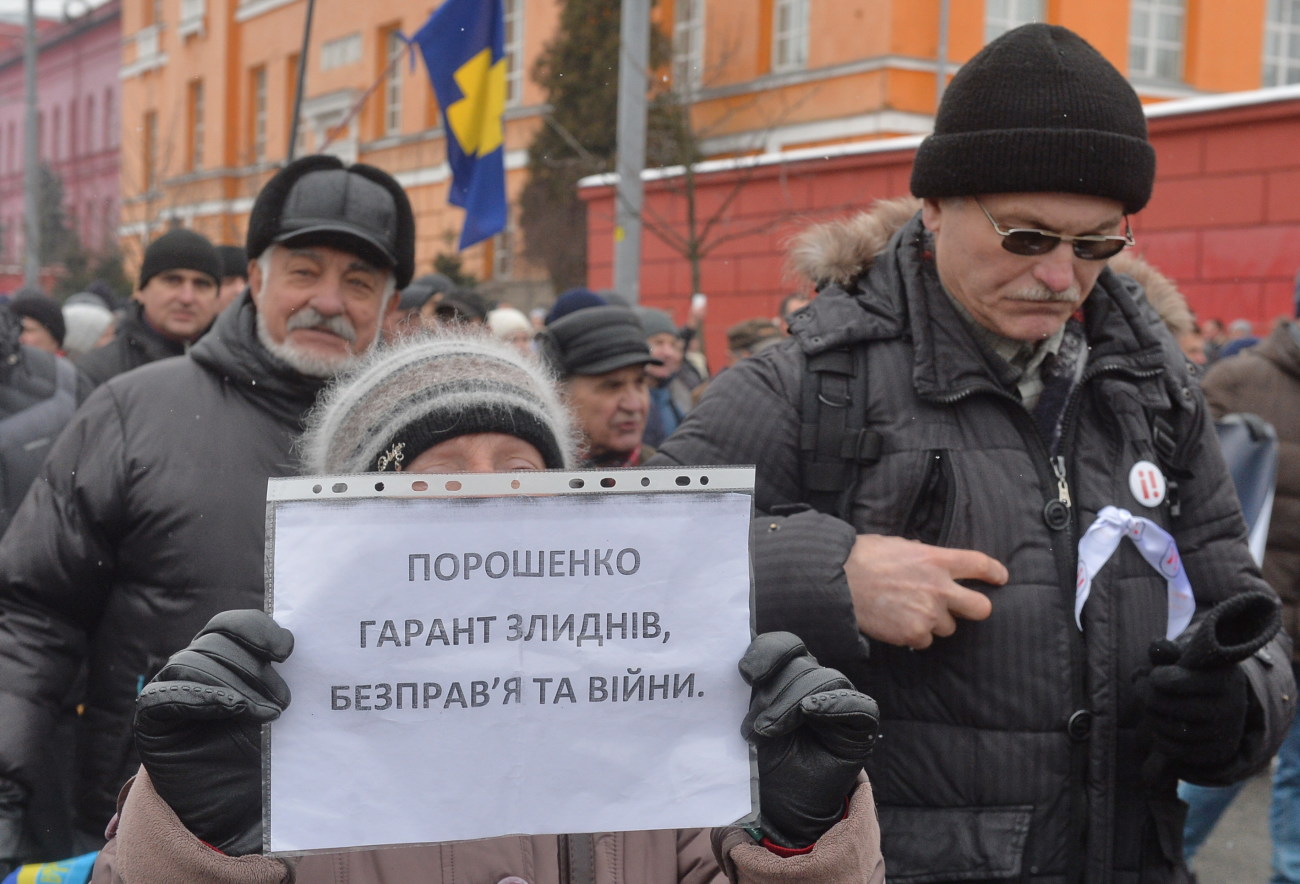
(191, 21)
(150, 155)
(688, 43)
(394, 47)
(1282, 43)
(110, 130)
(90, 123)
(257, 95)
(790, 35)
(1001, 16)
(196, 125)
(110, 220)
(503, 253)
(341, 52)
(56, 134)
(1156, 39)
(514, 48)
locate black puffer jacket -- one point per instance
(980, 774)
(149, 519)
(38, 394)
(135, 343)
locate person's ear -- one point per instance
(931, 214)
(255, 281)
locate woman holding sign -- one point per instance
(472, 404)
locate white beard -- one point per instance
(302, 361)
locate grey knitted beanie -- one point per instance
(404, 399)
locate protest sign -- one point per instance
(531, 653)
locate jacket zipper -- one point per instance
(1054, 468)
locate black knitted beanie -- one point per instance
(180, 249)
(1038, 110)
(35, 305)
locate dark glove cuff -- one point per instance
(771, 839)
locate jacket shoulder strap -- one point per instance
(833, 442)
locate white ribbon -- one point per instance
(1155, 544)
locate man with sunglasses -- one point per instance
(971, 395)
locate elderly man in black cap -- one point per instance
(994, 496)
(148, 515)
(600, 355)
(174, 304)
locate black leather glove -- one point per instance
(813, 732)
(1196, 718)
(198, 727)
(13, 803)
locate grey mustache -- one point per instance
(310, 317)
(1046, 295)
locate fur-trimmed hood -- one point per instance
(837, 252)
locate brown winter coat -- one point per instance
(150, 846)
(1265, 380)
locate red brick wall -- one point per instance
(1224, 221)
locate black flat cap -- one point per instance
(358, 208)
(595, 340)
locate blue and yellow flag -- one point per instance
(68, 871)
(463, 47)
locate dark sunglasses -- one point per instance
(1031, 242)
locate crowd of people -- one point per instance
(1003, 599)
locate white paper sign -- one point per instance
(468, 668)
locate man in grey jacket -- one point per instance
(993, 498)
(148, 516)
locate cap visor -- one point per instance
(344, 237)
(610, 363)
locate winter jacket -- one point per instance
(148, 518)
(1010, 750)
(151, 846)
(135, 343)
(38, 394)
(1265, 380)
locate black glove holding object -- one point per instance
(1195, 694)
(198, 727)
(813, 732)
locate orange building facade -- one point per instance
(208, 88)
(208, 92)
(840, 132)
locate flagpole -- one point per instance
(357, 105)
(302, 81)
(634, 51)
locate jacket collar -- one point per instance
(232, 350)
(137, 331)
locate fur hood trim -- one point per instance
(837, 252)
